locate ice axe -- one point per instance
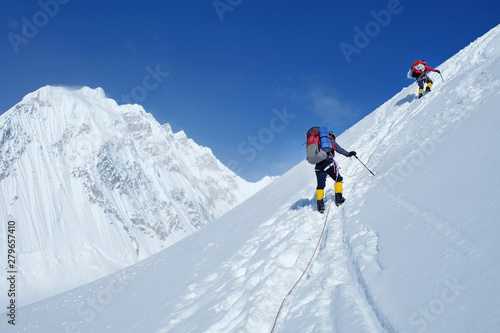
(441, 76)
(364, 165)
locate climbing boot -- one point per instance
(339, 199)
(321, 206)
(320, 194)
(428, 89)
(420, 93)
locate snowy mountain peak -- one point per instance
(98, 186)
(50, 93)
(181, 135)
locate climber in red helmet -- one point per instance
(419, 72)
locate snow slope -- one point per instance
(95, 187)
(413, 249)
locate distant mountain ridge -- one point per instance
(95, 186)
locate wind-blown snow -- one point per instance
(413, 249)
(95, 187)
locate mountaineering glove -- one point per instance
(352, 153)
(437, 71)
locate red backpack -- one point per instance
(418, 68)
(314, 153)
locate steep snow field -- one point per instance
(414, 248)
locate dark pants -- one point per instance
(327, 167)
(423, 79)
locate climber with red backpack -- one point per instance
(320, 150)
(419, 72)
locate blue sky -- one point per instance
(245, 78)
